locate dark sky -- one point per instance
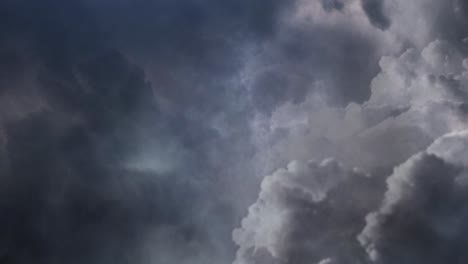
(233, 131)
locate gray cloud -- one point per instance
(375, 12)
(444, 20)
(81, 122)
(139, 131)
(416, 99)
(424, 208)
(306, 213)
(330, 5)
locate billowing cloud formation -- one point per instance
(139, 131)
(309, 212)
(423, 216)
(417, 97)
(117, 116)
(413, 117)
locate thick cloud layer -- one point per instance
(413, 117)
(417, 97)
(140, 131)
(94, 168)
(308, 213)
(423, 216)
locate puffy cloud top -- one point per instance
(306, 212)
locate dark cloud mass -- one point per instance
(423, 216)
(330, 5)
(306, 213)
(78, 109)
(141, 131)
(375, 12)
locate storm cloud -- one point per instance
(414, 116)
(424, 208)
(375, 13)
(141, 131)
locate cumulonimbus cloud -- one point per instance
(415, 213)
(422, 218)
(140, 131)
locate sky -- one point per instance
(233, 131)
